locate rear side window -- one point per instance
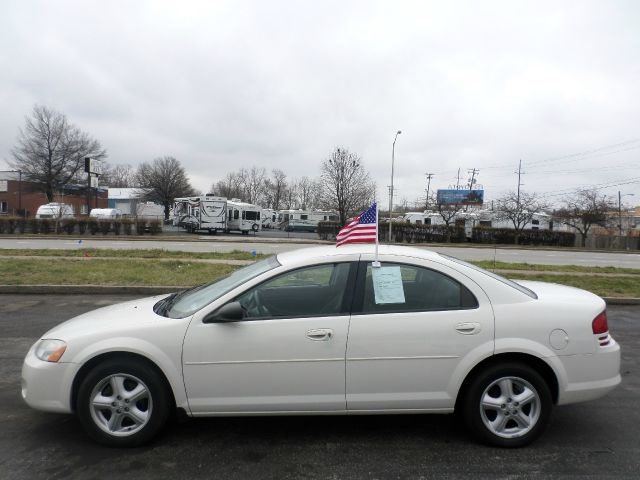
(409, 288)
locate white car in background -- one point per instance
(325, 331)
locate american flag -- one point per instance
(363, 229)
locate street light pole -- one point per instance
(620, 209)
(393, 154)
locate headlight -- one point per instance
(50, 350)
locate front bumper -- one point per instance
(47, 386)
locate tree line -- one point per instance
(50, 152)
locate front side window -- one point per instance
(251, 215)
(188, 302)
(306, 292)
(409, 288)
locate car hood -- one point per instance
(121, 316)
(560, 293)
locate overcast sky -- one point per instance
(278, 84)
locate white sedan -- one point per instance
(329, 331)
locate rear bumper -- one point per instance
(590, 376)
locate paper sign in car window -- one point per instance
(387, 285)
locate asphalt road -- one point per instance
(593, 440)
(281, 244)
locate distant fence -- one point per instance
(606, 242)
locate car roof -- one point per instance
(318, 253)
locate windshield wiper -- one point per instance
(171, 300)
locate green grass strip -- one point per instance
(127, 272)
(490, 265)
(625, 287)
(133, 253)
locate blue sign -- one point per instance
(460, 197)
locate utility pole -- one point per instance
(620, 213)
(473, 173)
(429, 177)
(458, 182)
(519, 172)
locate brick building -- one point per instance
(19, 197)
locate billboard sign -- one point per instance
(460, 197)
(92, 166)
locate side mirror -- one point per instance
(230, 312)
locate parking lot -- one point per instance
(593, 440)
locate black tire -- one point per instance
(504, 421)
(134, 376)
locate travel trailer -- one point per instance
(476, 218)
(243, 217)
(269, 218)
(106, 213)
(150, 211)
(206, 212)
(303, 220)
(55, 210)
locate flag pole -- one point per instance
(376, 263)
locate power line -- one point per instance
(595, 186)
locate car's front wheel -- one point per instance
(507, 405)
(123, 403)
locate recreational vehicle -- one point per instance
(150, 211)
(243, 217)
(106, 213)
(55, 210)
(477, 218)
(269, 218)
(304, 220)
(206, 212)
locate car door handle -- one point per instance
(319, 334)
(468, 328)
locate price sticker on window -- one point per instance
(387, 285)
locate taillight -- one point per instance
(599, 324)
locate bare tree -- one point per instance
(51, 151)
(275, 189)
(447, 211)
(163, 180)
(519, 209)
(229, 187)
(583, 210)
(309, 193)
(253, 183)
(118, 176)
(346, 185)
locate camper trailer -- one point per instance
(106, 213)
(206, 212)
(304, 220)
(243, 217)
(269, 218)
(55, 210)
(150, 211)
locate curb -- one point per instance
(159, 290)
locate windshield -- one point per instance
(511, 283)
(188, 302)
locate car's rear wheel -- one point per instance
(123, 403)
(507, 405)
